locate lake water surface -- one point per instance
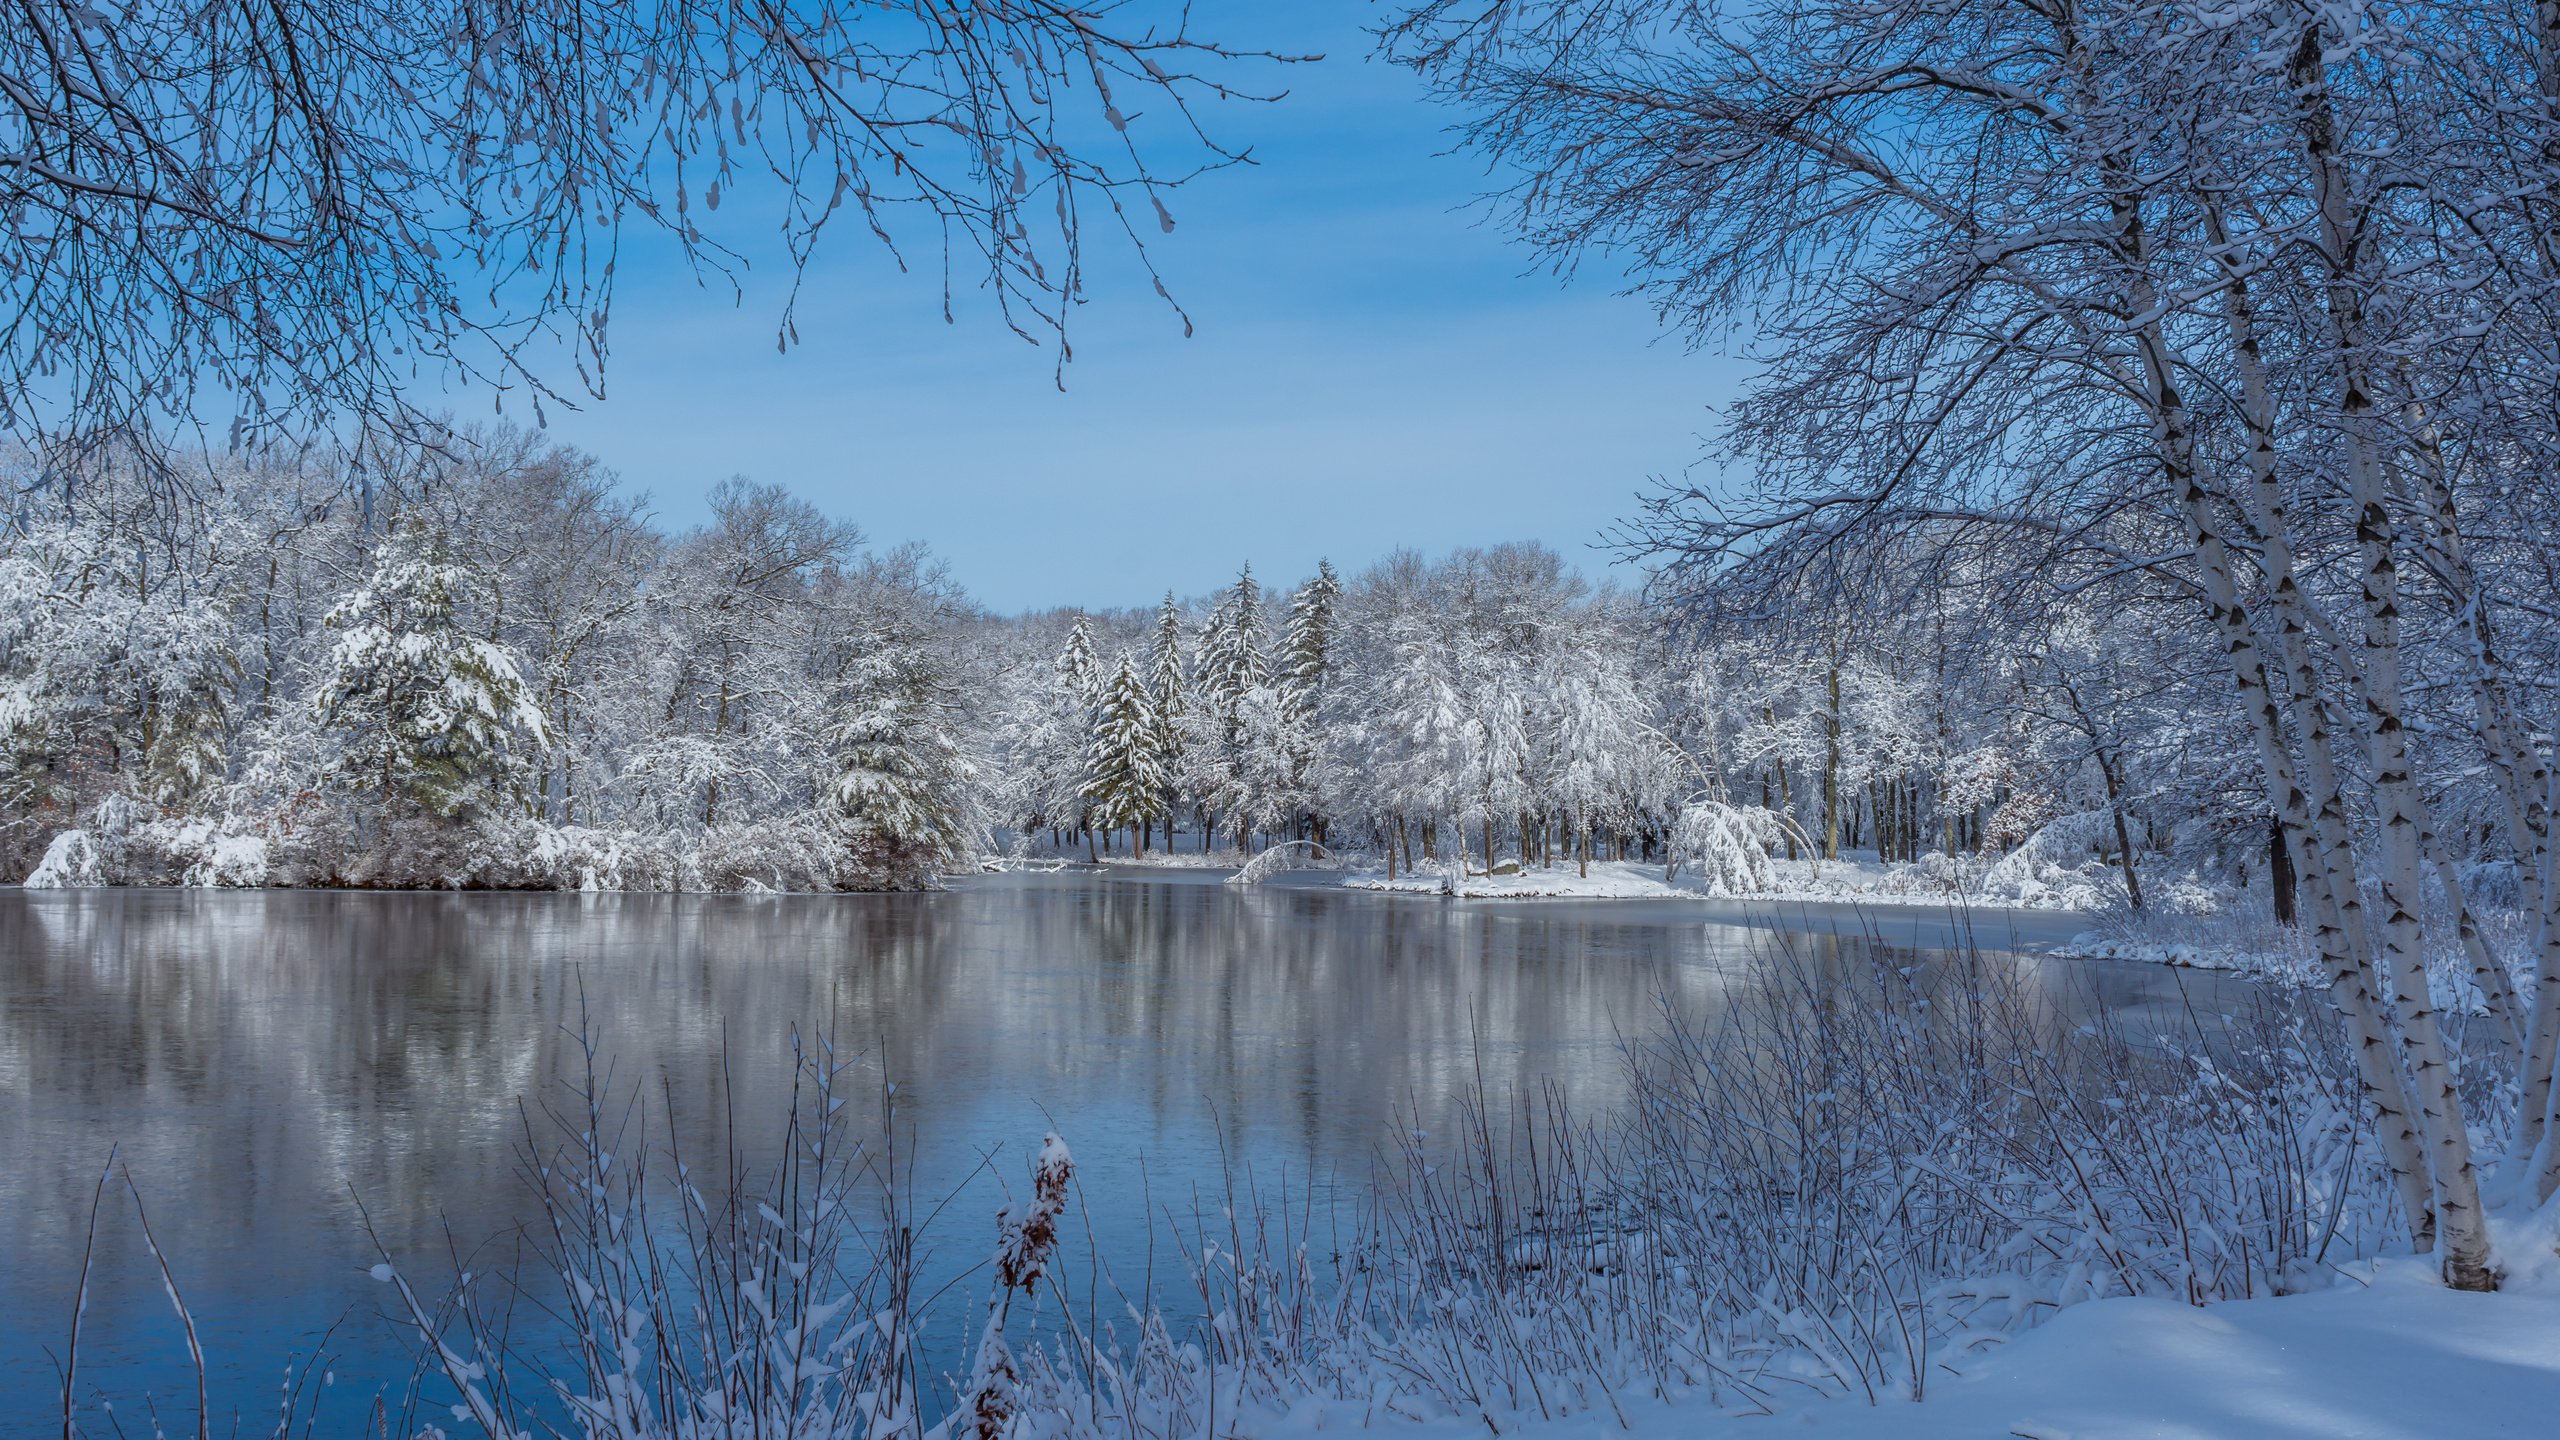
(261, 1059)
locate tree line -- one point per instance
(483, 663)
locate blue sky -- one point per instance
(1374, 366)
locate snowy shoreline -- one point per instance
(2375, 1355)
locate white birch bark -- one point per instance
(2402, 810)
(2315, 822)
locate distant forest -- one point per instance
(483, 664)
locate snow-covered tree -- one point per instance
(1231, 664)
(1305, 650)
(1168, 688)
(1232, 660)
(1125, 772)
(899, 788)
(424, 713)
(1080, 677)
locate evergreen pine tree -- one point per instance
(1125, 775)
(1231, 667)
(898, 787)
(1306, 642)
(1065, 732)
(1079, 673)
(1167, 681)
(1231, 659)
(188, 753)
(425, 711)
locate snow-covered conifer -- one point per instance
(1125, 773)
(1307, 641)
(1231, 654)
(1167, 685)
(424, 712)
(1305, 655)
(1231, 665)
(899, 788)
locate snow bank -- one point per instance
(1608, 880)
(2387, 1355)
(1933, 881)
(2245, 940)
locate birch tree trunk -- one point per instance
(2334, 884)
(2316, 821)
(2395, 791)
(2524, 778)
(2497, 995)
(1831, 769)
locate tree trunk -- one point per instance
(1787, 807)
(2497, 993)
(2280, 882)
(2524, 780)
(1831, 771)
(2315, 823)
(2395, 791)
(2124, 837)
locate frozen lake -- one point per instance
(260, 1058)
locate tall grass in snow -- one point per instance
(775, 1309)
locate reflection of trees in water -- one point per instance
(307, 1039)
(258, 1053)
(1320, 1017)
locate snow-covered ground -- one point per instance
(1608, 880)
(2239, 949)
(1863, 880)
(2245, 939)
(2387, 1354)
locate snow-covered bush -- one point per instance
(2188, 893)
(128, 844)
(803, 855)
(1941, 873)
(201, 852)
(1285, 856)
(2057, 867)
(71, 861)
(1726, 846)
